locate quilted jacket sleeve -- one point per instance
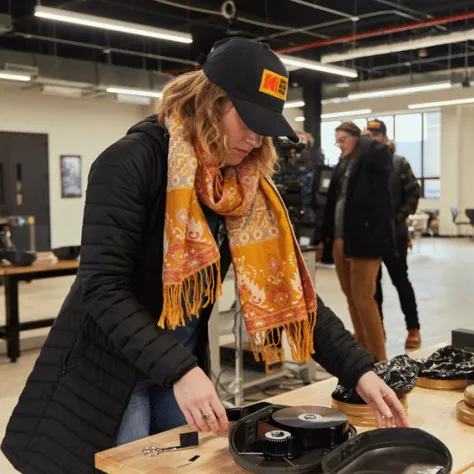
(113, 226)
(411, 192)
(337, 351)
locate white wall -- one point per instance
(466, 198)
(76, 126)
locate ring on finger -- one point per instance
(207, 415)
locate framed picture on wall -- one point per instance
(71, 176)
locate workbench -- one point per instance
(431, 410)
(11, 277)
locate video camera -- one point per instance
(294, 181)
(8, 251)
(284, 146)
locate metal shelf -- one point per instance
(252, 379)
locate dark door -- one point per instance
(25, 185)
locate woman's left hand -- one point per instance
(382, 399)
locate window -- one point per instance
(328, 138)
(360, 122)
(417, 137)
(409, 140)
(431, 188)
(431, 144)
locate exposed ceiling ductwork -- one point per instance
(379, 32)
(229, 12)
(339, 30)
(326, 9)
(106, 49)
(88, 76)
(426, 42)
(341, 21)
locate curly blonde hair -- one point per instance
(197, 103)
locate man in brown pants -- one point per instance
(360, 224)
(405, 195)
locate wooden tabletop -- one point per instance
(431, 410)
(39, 267)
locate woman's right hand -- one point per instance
(197, 396)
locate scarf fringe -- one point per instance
(299, 335)
(197, 291)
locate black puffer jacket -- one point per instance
(106, 335)
(369, 216)
(405, 193)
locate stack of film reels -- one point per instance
(465, 408)
(361, 414)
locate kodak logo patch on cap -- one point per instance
(273, 84)
(373, 124)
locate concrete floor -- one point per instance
(442, 272)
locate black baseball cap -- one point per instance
(256, 81)
(377, 126)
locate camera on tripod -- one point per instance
(294, 181)
(284, 146)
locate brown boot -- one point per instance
(413, 339)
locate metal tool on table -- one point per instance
(186, 441)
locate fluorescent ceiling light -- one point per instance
(62, 91)
(14, 76)
(441, 103)
(111, 24)
(348, 113)
(137, 92)
(132, 99)
(317, 66)
(399, 91)
(49, 81)
(299, 119)
(294, 104)
(335, 100)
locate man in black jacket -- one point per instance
(359, 227)
(405, 194)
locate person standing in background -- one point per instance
(405, 194)
(359, 223)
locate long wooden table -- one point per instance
(11, 277)
(431, 410)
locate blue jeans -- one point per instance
(151, 410)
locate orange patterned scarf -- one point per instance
(274, 286)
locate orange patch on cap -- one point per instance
(374, 125)
(273, 84)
